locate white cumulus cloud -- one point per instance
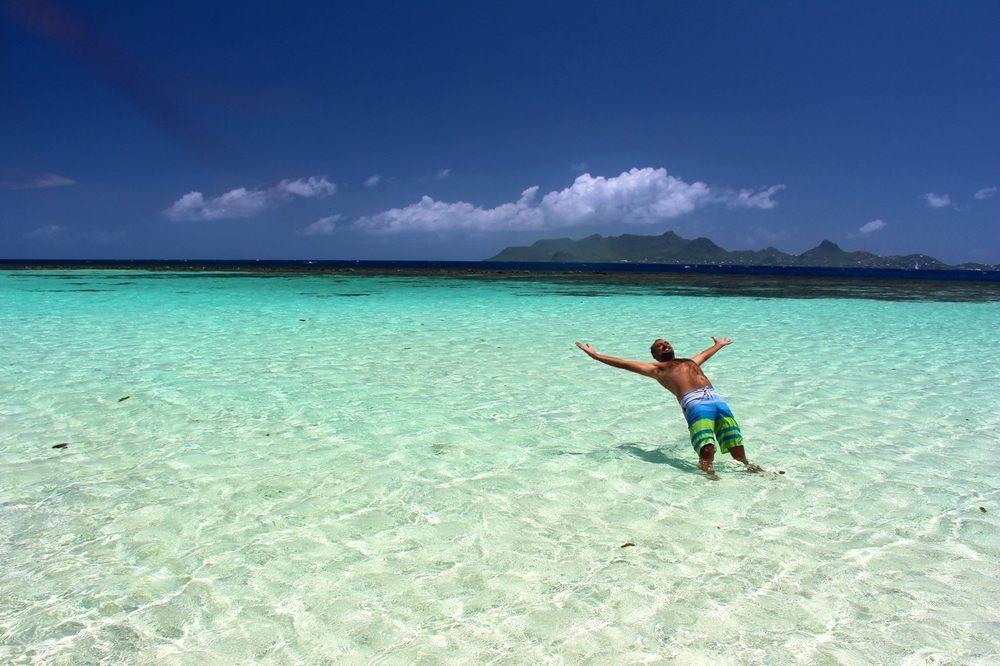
(937, 200)
(373, 180)
(430, 215)
(874, 225)
(985, 193)
(242, 202)
(324, 226)
(635, 197)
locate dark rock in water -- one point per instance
(124, 399)
(983, 509)
(63, 445)
(627, 544)
(267, 434)
(301, 319)
(781, 471)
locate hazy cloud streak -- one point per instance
(48, 231)
(937, 200)
(15, 180)
(985, 193)
(874, 225)
(324, 226)
(750, 199)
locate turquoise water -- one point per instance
(408, 469)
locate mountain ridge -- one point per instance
(670, 248)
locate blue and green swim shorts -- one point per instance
(709, 418)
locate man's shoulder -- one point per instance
(674, 363)
(666, 369)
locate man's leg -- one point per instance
(705, 458)
(740, 455)
(703, 441)
(727, 431)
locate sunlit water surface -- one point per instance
(335, 468)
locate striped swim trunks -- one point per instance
(709, 418)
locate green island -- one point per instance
(669, 248)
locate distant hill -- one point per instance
(669, 248)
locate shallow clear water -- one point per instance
(350, 468)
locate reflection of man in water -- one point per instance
(708, 416)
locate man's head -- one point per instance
(662, 350)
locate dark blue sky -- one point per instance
(880, 121)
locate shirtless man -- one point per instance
(704, 409)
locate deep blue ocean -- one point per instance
(534, 267)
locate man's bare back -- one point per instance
(681, 376)
(703, 408)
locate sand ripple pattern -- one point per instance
(427, 470)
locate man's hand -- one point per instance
(707, 354)
(587, 349)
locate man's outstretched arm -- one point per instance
(708, 353)
(647, 369)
